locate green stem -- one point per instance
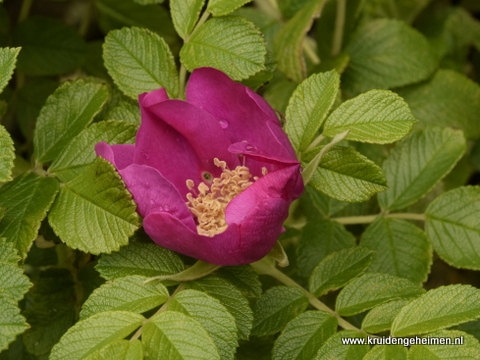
(339, 28)
(25, 10)
(315, 142)
(367, 219)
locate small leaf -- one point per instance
(437, 309)
(128, 293)
(175, 336)
(185, 15)
(309, 106)
(125, 111)
(27, 200)
(401, 248)
(380, 318)
(387, 352)
(94, 212)
(11, 322)
(346, 175)
(120, 350)
(338, 269)
(196, 271)
(304, 335)
(7, 155)
(8, 59)
(13, 283)
(8, 253)
(243, 277)
(276, 308)
(91, 335)
(65, 114)
(468, 349)
(373, 289)
(263, 76)
(139, 60)
(418, 163)
(231, 44)
(335, 349)
(378, 117)
(225, 7)
(453, 228)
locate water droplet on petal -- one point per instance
(145, 155)
(160, 208)
(166, 208)
(250, 148)
(223, 123)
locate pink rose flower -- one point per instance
(212, 176)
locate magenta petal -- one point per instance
(153, 193)
(152, 97)
(120, 156)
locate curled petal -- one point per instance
(120, 156)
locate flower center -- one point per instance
(209, 205)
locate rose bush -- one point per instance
(213, 176)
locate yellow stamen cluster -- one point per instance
(211, 202)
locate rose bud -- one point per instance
(212, 176)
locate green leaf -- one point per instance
(224, 7)
(264, 76)
(80, 152)
(125, 111)
(65, 114)
(94, 212)
(128, 293)
(373, 289)
(406, 10)
(338, 269)
(8, 253)
(120, 350)
(175, 336)
(212, 315)
(243, 277)
(139, 61)
(11, 322)
(13, 283)
(378, 117)
(401, 249)
(468, 349)
(48, 47)
(448, 99)
(230, 297)
(309, 107)
(346, 175)
(335, 349)
(27, 200)
(276, 308)
(91, 335)
(231, 44)
(288, 43)
(8, 59)
(380, 318)
(452, 227)
(385, 54)
(326, 205)
(387, 352)
(437, 309)
(7, 155)
(185, 15)
(418, 163)
(319, 239)
(304, 335)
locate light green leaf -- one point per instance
(418, 163)
(139, 60)
(65, 114)
(380, 318)
(346, 175)
(385, 54)
(94, 212)
(437, 309)
(335, 349)
(49, 47)
(128, 293)
(212, 315)
(8, 253)
(26, 200)
(378, 117)
(276, 308)
(264, 76)
(139, 259)
(230, 297)
(224, 7)
(8, 59)
(373, 289)
(453, 228)
(401, 249)
(231, 44)
(185, 15)
(468, 349)
(243, 277)
(125, 111)
(288, 43)
(11, 322)
(120, 350)
(387, 352)
(7, 155)
(319, 239)
(80, 152)
(13, 283)
(175, 336)
(338, 269)
(309, 106)
(91, 335)
(304, 335)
